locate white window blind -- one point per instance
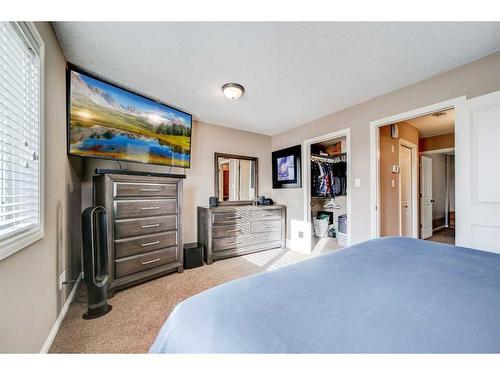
(20, 134)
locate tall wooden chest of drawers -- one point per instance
(228, 231)
(144, 226)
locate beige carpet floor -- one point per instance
(139, 312)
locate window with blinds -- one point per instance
(20, 136)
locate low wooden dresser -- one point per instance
(228, 231)
(144, 226)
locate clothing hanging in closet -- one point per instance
(328, 177)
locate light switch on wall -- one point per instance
(357, 182)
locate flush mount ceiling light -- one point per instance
(233, 90)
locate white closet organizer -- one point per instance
(329, 191)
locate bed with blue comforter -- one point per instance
(390, 295)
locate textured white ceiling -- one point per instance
(293, 72)
(431, 126)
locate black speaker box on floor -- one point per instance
(193, 255)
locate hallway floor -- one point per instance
(445, 235)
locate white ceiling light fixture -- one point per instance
(233, 91)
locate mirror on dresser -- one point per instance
(235, 178)
(235, 226)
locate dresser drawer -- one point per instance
(137, 263)
(143, 208)
(143, 244)
(266, 214)
(135, 227)
(266, 226)
(144, 189)
(230, 217)
(246, 249)
(266, 237)
(230, 230)
(220, 244)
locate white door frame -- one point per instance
(306, 173)
(414, 187)
(375, 154)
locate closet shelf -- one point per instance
(325, 197)
(330, 159)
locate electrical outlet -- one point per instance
(62, 279)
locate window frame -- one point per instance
(21, 240)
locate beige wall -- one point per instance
(30, 299)
(199, 183)
(389, 156)
(474, 79)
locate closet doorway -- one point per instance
(327, 171)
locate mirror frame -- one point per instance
(216, 177)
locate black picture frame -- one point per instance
(295, 154)
(72, 67)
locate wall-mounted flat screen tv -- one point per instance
(106, 121)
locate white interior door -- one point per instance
(477, 173)
(405, 175)
(425, 197)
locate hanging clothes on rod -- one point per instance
(328, 175)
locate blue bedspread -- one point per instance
(391, 295)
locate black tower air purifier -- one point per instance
(95, 261)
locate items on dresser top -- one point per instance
(263, 201)
(213, 201)
(144, 221)
(228, 231)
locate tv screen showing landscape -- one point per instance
(108, 122)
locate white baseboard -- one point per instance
(55, 328)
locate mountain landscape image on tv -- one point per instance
(108, 122)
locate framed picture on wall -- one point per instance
(287, 168)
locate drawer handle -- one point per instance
(234, 217)
(234, 230)
(150, 261)
(233, 243)
(150, 226)
(150, 243)
(150, 208)
(148, 189)
(267, 215)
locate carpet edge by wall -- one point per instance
(57, 324)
